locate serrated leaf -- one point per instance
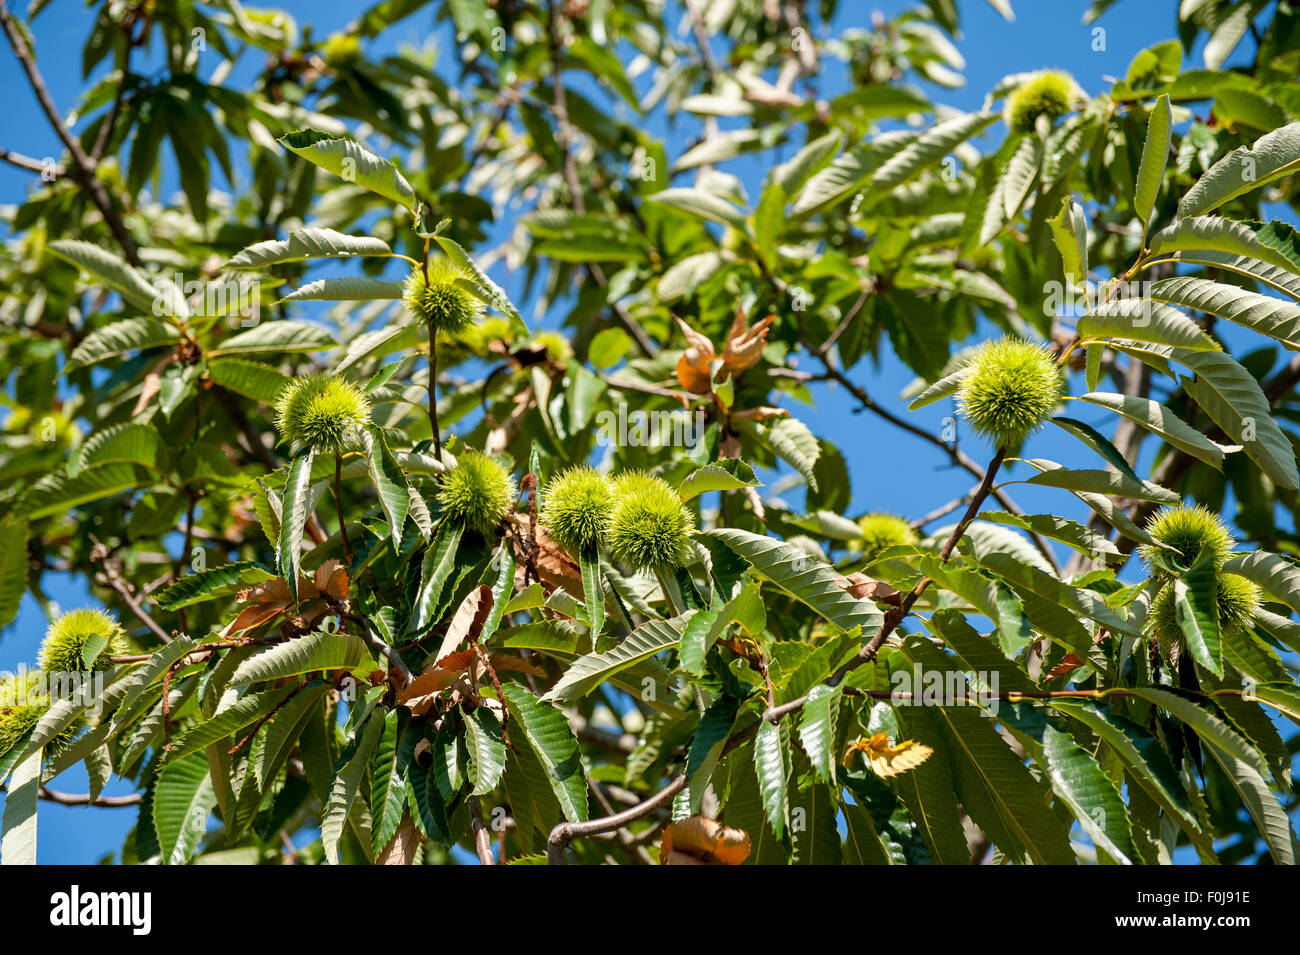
(117, 274)
(772, 766)
(487, 752)
(1085, 603)
(817, 729)
(592, 669)
(729, 474)
(1091, 795)
(18, 825)
(352, 162)
(307, 244)
(1146, 321)
(551, 738)
(435, 567)
(1162, 421)
(807, 580)
(1155, 155)
(350, 288)
(295, 505)
(131, 334)
(308, 653)
(346, 785)
(226, 722)
(250, 379)
(13, 567)
(183, 798)
(276, 337)
(1269, 316)
(1274, 155)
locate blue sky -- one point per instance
(911, 479)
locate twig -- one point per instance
(83, 167)
(482, 836)
(83, 799)
(114, 579)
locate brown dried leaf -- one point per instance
(467, 622)
(860, 585)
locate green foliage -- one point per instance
(656, 580)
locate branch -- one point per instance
(482, 837)
(566, 832)
(83, 167)
(83, 799)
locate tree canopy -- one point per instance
(385, 570)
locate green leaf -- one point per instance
(207, 585)
(58, 494)
(307, 244)
(551, 738)
(589, 671)
(1273, 242)
(318, 650)
(1104, 482)
(1146, 321)
(1020, 175)
(1097, 441)
(13, 567)
(352, 162)
(346, 785)
(1161, 420)
(817, 729)
(1207, 724)
(1261, 313)
(1197, 613)
(295, 502)
(593, 592)
(706, 205)
(250, 379)
(1277, 576)
(350, 288)
(393, 755)
(791, 441)
(1070, 533)
(1085, 603)
(276, 338)
(1070, 232)
(942, 388)
(115, 273)
(925, 152)
(183, 798)
(990, 780)
(123, 443)
(772, 766)
(604, 64)
(245, 711)
(1273, 156)
(1231, 396)
(794, 173)
(435, 567)
(729, 474)
(487, 752)
(1155, 155)
(807, 580)
(485, 288)
(702, 757)
(1091, 795)
(389, 480)
(1270, 818)
(18, 827)
(132, 334)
